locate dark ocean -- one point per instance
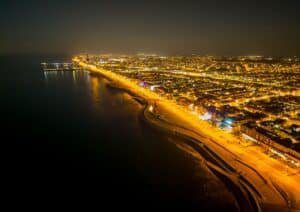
(69, 138)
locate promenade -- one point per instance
(274, 185)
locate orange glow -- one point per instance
(225, 144)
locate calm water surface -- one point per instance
(70, 135)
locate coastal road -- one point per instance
(278, 189)
(261, 171)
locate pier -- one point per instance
(59, 66)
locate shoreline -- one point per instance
(268, 200)
(243, 198)
(244, 201)
(246, 195)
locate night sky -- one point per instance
(163, 27)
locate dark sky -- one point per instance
(165, 27)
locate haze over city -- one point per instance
(163, 27)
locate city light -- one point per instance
(206, 116)
(224, 110)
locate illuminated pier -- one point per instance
(59, 66)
